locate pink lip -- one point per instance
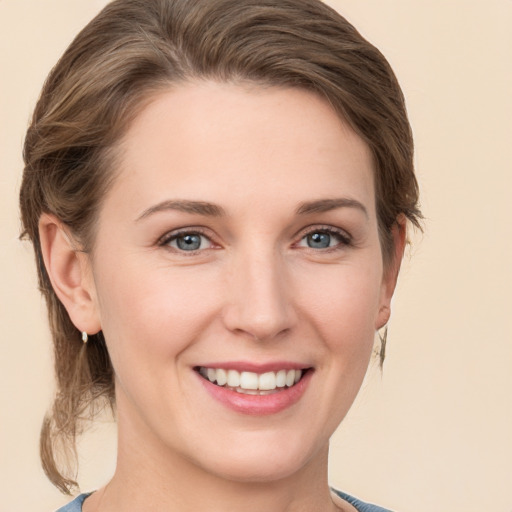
(257, 405)
(246, 366)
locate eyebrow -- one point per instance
(213, 210)
(194, 207)
(325, 205)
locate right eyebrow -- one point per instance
(194, 207)
(325, 205)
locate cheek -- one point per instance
(152, 314)
(344, 309)
(346, 291)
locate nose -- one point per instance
(258, 301)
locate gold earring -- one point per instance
(85, 337)
(383, 340)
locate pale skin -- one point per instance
(287, 266)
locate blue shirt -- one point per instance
(76, 504)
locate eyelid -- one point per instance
(168, 237)
(346, 238)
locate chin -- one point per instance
(266, 471)
(254, 464)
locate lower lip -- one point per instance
(258, 405)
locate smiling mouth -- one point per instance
(250, 383)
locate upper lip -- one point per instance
(246, 366)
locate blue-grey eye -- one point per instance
(319, 240)
(188, 242)
(324, 238)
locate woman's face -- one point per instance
(239, 244)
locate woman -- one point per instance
(217, 192)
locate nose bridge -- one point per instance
(258, 301)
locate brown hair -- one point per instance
(130, 51)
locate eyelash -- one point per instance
(165, 240)
(344, 239)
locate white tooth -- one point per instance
(298, 375)
(269, 392)
(243, 391)
(290, 378)
(267, 381)
(203, 371)
(212, 374)
(233, 379)
(250, 391)
(281, 379)
(222, 377)
(249, 380)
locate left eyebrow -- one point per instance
(194, 207)
(325, 205)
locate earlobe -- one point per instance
(383, 317)
(69, 272)
(391, 271)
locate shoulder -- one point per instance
(360, 505)
(75, 505)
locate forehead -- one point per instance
(219, 141)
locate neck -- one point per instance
(149, 476)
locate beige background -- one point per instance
(434, 433)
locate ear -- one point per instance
(70, 274)
(391, 271)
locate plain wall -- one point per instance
(434, 431)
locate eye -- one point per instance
(186, 241)
(324, 238)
